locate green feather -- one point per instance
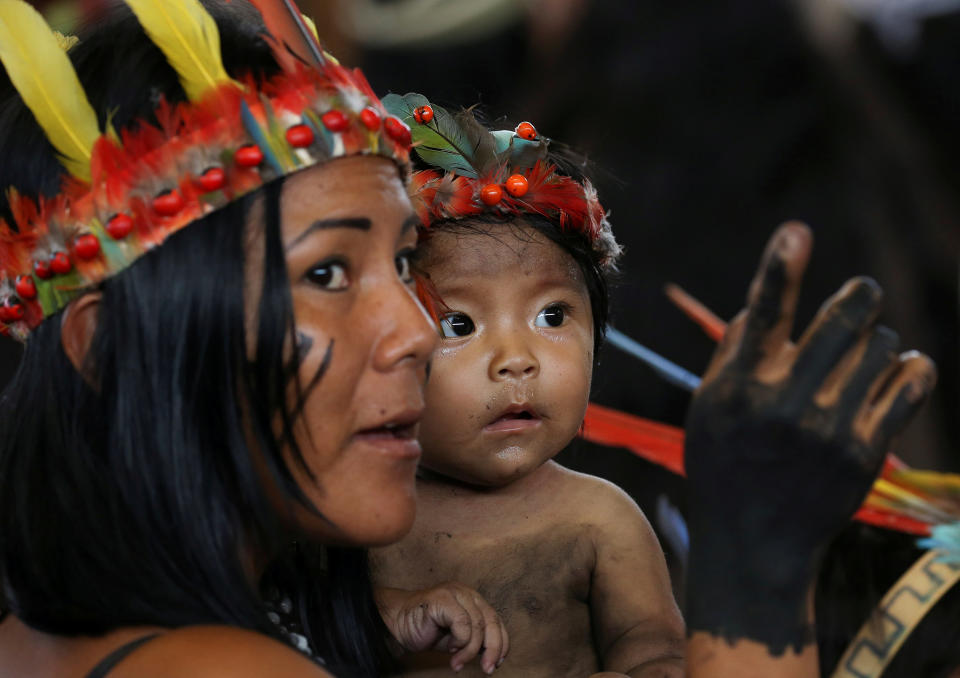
(453, 143)
(525, 154)
(519, 153)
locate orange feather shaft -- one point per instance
(713, 326)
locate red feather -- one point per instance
(429, 297)
(556, 197)
(655, 442)
(289, 36)
(663, 445)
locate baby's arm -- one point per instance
(638, 629)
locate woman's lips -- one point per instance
(396, 439)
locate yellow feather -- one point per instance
(43, 75)
(189, 38)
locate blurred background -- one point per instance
(709, 123)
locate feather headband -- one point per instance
(475, 170)
(126, 192)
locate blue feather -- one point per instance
(253, 128)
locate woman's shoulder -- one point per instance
(216, 652)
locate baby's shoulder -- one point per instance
(592, 499)
(216, 652)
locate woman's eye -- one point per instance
(551, 316)
(456, 325)
(404, 263)
(329, 275)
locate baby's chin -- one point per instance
(494, 471)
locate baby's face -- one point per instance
(510, 381)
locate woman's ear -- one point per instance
(77, 326)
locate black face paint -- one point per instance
(304, 344)
(304, 393)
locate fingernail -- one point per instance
(787, 242)
(500, 661)
(457, 667)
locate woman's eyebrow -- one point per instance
(358, 223)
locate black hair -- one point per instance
(573, 243)
(131, 496)
(860, 566)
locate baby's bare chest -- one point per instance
(537, 578)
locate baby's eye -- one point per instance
(456, 325)
(329, 275)
(404, 262)
(551, 316)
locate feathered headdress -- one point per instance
(125, 193)
(475, 170)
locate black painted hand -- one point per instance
(784, 441)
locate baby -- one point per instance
(516, 256)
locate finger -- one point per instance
(772, 300)
(897, 400)
(841, 321)
(492, 637)
(471, 648)
(726, 348)
(876, 359)
(450, 614)
(504, 644)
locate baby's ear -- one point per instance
(77, 327)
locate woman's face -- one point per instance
(348, 231)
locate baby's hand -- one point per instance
(450, 618)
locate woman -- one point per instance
(191, 423)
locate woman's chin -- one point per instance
(377, 524)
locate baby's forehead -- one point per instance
(471, 249)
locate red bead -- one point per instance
(212, 179)
(335, 121)
(61, 263)
(300, 136)
(42, 269)
(26, 288)
(11, 311)
(87, 246)
(248, 156)
(397, 130)
(526, 131)
(119, 226)
(491, 194)
(168, 203)
(423, 114)
(370, 118)
(517, 185)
